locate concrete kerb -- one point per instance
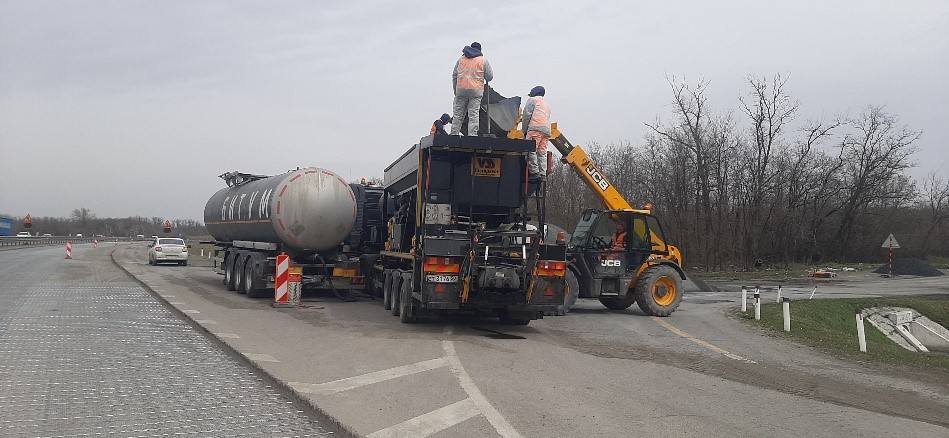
(321, 415)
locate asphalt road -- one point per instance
(592, 373)
(86, 351)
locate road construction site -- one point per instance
(594, 372)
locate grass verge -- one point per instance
(829, 325)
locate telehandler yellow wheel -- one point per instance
(659, 290)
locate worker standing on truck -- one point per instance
(471, 72)
(535, 122)
(439, 126)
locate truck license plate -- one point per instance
(441, 278)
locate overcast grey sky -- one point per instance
(134, 107)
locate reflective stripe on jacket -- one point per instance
(470, 73)
(536, 116)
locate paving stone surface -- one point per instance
(107, 359)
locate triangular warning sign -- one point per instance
(890, 242)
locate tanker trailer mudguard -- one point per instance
(461, 236)
(308, 213)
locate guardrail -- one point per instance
(6, 241)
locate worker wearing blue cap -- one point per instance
(535, 123)
(438, 127)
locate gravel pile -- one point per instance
(910, 266)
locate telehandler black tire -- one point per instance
(570, 294)
(659, 290)
(618, 303)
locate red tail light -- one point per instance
(551, 268)
(442, 265)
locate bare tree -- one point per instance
(935, 201)
(874, 155)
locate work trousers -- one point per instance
(537, 160)
(471, 105)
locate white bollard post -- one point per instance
(813, 292)
(202, 252)
(757, 304)
(786, 305)
(744, 299)
(778, 300)
(861, 333)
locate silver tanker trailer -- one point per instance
(327, 226)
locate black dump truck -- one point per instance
(466, 232)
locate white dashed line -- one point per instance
(698, 341)
(368, 378)
(191, 311)
(205, 321)
(430, 423)
(227, 335)
(176, 303)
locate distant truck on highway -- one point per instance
(6, 226)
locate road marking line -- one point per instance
(474, 394)
(260, 357)
(430, 423)
(166, 296)
(368, 378)
(698, 341)
(191, 311)
(176, 303)
(205, 321)
(227, 335)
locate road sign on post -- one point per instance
(890, 243)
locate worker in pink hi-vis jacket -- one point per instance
(535, 122)
(467, 80)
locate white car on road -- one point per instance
(167, 249)
(24, 234)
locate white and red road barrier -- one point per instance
(95, 243)
(68, 250)
(287, 283)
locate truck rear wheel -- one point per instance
(659, 290)
(387, 289)
(407, 308)
(229, 271)
(394, 294)
(618, 303)
(238, 274)
(252, 283)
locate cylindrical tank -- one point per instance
(308, 210)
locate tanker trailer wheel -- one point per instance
(229, 271)
(659, 290)
(387, 289)
(251, 282)
(408, 311)
(394, 294)
(238, 274)
(619, 303)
